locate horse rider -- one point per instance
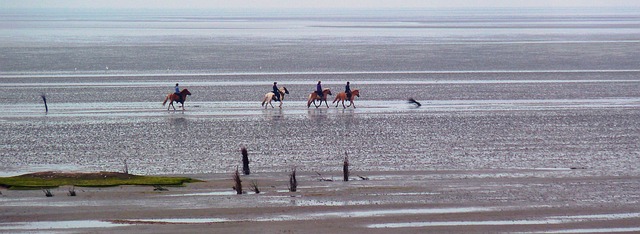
(347, 90)
(319, 90)
(177, 91)
(276, 91)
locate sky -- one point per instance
(294, 4)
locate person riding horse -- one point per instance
(319, 90)
(177, 91)
(347, 90)
(276, 91)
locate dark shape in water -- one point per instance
(44, 99)
(413, 101)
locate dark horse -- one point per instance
(172, 97)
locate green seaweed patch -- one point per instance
(52, 179)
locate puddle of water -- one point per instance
(377, 213)
(600, 216)
(179, 221)
(314, 216)
(549, 220)
(214, 193)
(411, 194)
(597, 230)
(464, 223)
(59, 225)
(328, 203)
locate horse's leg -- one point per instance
(343, 104)
(325, 102)
(318, 105)
(271, 104)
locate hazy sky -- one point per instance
(218, 4)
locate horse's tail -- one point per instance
(336, 99)
(309, 100)
(165, 100)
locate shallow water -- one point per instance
(546, 221)
(536, 89)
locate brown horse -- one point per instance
(172, 97)
(342, 96)
(314, 96)
(270, 96)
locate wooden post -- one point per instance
(345, 167)
(293, 183)
(245, 161)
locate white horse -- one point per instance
(270, 96)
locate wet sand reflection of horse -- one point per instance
(270, 96)
(172, 97)
(342, 96)
(314, 96)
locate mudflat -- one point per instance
(517, 200)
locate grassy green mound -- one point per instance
(52, 179)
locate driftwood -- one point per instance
(72, 191)
(254, 187)
(47, 192)
(236, 178)
(159, 188)
(414, 102)
(322, 178)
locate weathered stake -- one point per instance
(345, 167)
(245, 161)
(293, 183)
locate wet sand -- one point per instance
(518, 200)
